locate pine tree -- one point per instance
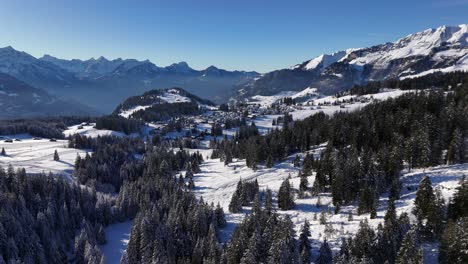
(408, 253)
(3, 153)
(323, 217)
(297, 161)
(363, 242)
(303, 185)
(454, 242)
(350, 216)
(269, 161)
(219, 216)
(456, 147)
(235, 206)
(56, 156)
(268, 201)
(304, 243)
(285, 196)
(458, 206)
(326, 256)
(191, 184)
(426, 210)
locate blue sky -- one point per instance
(256, 35)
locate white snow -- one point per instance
(460, 65)
(90, 131)
(170, 96)
(264, 122)
(268, 100)
(309, 91)
(127, 113)
(325, 60)
(36, 156)
(173, 96)
(216, 183)
(117, 236)
(418, 44)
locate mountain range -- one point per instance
(103, 84)
(442, 49)
(20, 100)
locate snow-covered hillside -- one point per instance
(159, 97)
(216, 183)
(37, 155)
(310, 96)
(443, 49)
(168, 96)
(89, 130)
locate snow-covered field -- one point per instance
(216, 183)
(36, 156)
(90, 131)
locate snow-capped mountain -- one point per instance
(91, 68)
(19, 100)
(103, 83)
(443, 49)
(35, 72)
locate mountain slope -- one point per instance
(156, 105)
(442, 49)
(19, 100)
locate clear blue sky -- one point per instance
(259, 35)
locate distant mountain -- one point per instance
(92, 68)
(443, 49)
(103, 84)
(20, 100)
(156, 105)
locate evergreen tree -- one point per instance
(285, 196)
(454, 242)
(303, 185)
(408, 253)
(56, 156)
(455, 152)
(363, 242)
(3, 153)
(235, 206)
(297, 161)
(323, 217)
(426, 210)
(269, 161)
(458, 206)
(304, 243)
(219, 216)
(268, 201)
(325, 256)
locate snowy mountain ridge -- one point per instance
(443, 49)
(103, 83)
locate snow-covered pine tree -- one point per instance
(325, 255)
(56, 156)
(408, 253)
(426, 210)
(303, 185)
(285, 196)
(304, 243)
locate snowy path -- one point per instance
(117, 236)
